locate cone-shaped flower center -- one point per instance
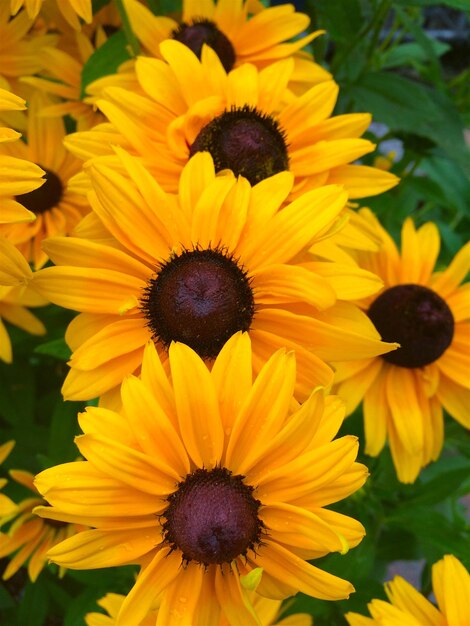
(418, 319)
(45, 197)
(201, 31)
(245, 141)
(212, 517)
(200, 298)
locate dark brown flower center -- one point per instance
(200, 298)
(245, 141)
(202, 31)
(45, 197)
(418, 319)
(212, 517)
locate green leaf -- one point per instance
(436, 534)
(411, 53)
(62, 430)
(97, 5)
(446, 485)
(17, 392)
(405, 105)
(32, 610)
(56, 348)
(105, 60)
(464, 5)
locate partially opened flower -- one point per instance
(208, 480)
(428, 314)
(26, 538)
(247, 119)
(218, 258)
(72, 10)
(267, 610)
(239, 31)
(407, 607)
(56, 209)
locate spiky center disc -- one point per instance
(45, 197)
(245, 141)
(200, 298)
(418, 319)
(202, 31)
(212, 517)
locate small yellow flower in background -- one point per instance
(214, 483)
(56, 209)
(451, 588)
(239, 31)
(428, 313)
(247, 119)
(70, 9)
(20, 51)
(26, 537)
(218, 258)
(267, 610)
(62, 77)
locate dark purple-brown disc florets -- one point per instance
(212, 517)
(202, 31)
(200, 298)
(45, 197)
(418, 319)
(245, 141)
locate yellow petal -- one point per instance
(196, 406)
(89, 290)
(92, 549)
(451, 586)
(285, 566)
(150, 584)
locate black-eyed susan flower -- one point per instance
(428, 314)
(214, 483)
(56, 209)
(197, 267)
(25, 537)
(247, 119)
(451, 589)
(17, 176)
(20, 52)
(238, 31)
(72, 10)
(267, 610)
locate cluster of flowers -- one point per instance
(201, 221)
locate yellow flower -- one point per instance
(27, 537)
(70, 9)
(239, 31)
(268, 612)
(451, 587)
(20, 53)
(213, 483)
(197, 267)
(17, 176)
(247, 119)
(428, 313)
(56, 209)
(63, 76)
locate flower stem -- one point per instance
(126, 25)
